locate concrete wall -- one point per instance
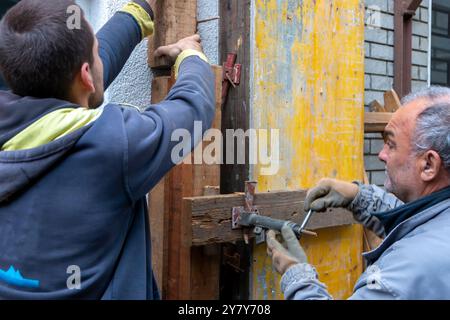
(133, 85)
(379, 68)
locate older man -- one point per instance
(413, 261)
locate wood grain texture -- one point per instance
(174, 20)
(211, 216)
(376, 121)
(158, 211)
(183, 272)
(205, 261)
(391, 101)
(375, 106)
(235, 25)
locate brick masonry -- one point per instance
(379, 67)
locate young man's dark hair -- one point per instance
(32, 28)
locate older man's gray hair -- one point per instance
(432, 131)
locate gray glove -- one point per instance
(284, 258)
(330, 193)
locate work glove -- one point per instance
(330, 193)
(284, 258)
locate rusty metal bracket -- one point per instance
(231, 74)
(248, 217)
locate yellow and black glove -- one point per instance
(143, 13)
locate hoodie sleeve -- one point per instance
(153, 133)
(121, 34)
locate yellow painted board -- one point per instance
(308, 82)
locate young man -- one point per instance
(74, 176)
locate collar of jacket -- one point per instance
(405, 227)
(390, 219)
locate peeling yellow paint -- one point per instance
(309, 83)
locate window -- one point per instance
(440, 43)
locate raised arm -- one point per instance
(121, 34)
(153, 133)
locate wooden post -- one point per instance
(404, 10)
(211, 215)
(183, 272)
(158, 211)
(235, 38)
(174, 20)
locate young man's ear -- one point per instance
(86, 77)
(430, 165)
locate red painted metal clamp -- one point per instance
(231, 74)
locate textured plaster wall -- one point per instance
(133, 85)
(208, 12)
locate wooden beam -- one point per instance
(391, 101)
(375, 106)
(174, 20)
(205, 261)
(412, 5)
(211, 216)
(158, 211)
(205, 266)
(403, 13)
(235, 38)
(183, 272)
(179, 237)
(376, 121)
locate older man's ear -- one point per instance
(430, 166)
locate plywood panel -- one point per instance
(308, 81)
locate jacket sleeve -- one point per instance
(300, 282)
(120, 35)
(153, 133)
(371, 199)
